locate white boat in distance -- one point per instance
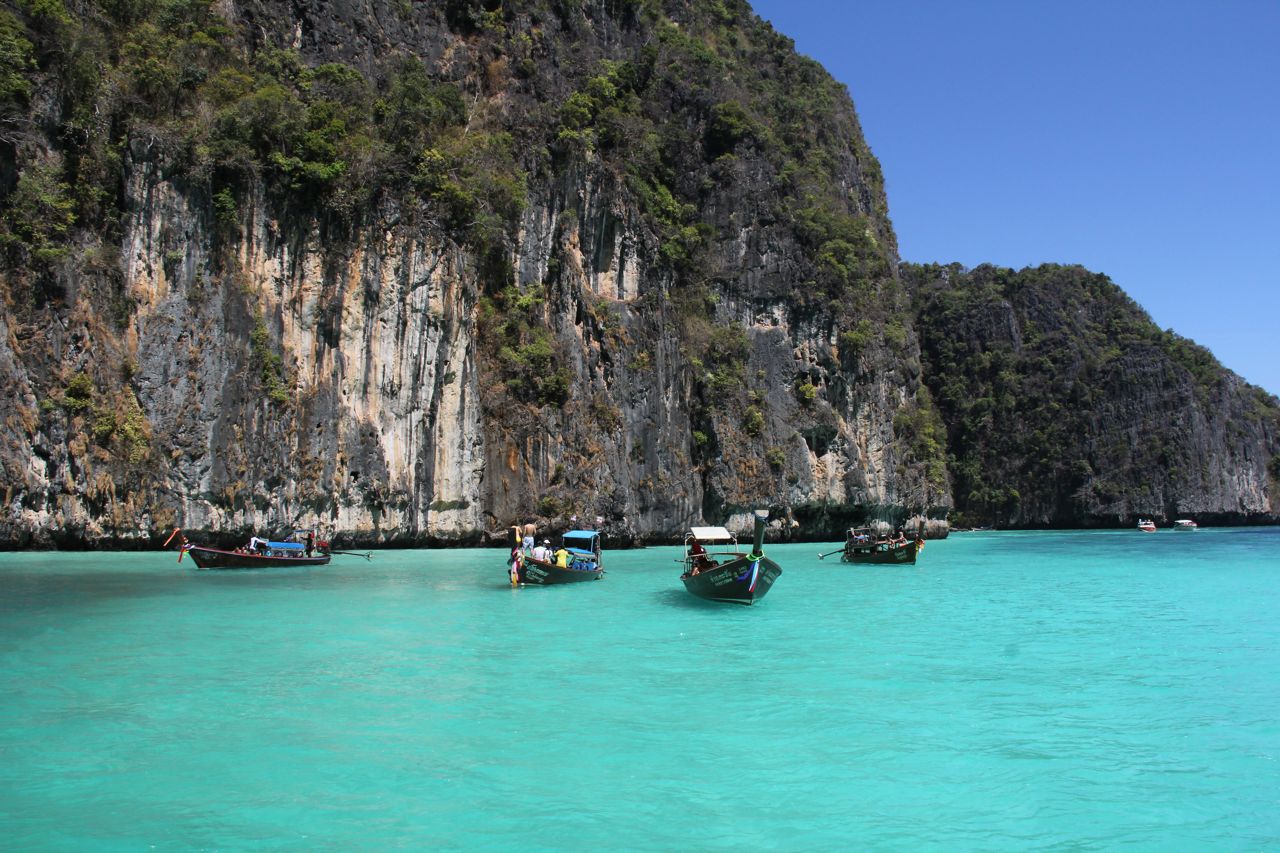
(1185, 524)
(1146, 525)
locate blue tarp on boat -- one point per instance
(287, 546)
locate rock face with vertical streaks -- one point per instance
(411, 273)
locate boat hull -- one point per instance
(538, 573)
(215, 558)
(904, 554)
(737, 582)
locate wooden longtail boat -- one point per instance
(863, 546)
(585, 562)
(717, 569)
(260, 554)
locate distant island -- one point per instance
(409, 273)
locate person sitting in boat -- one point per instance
(697, 557)
(542, 551)
(562, 557)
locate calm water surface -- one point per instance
(1012, 691)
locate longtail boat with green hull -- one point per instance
(715, 567)
(579, 558)
(862, 545)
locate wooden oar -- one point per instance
(829, 553)
(182, 546)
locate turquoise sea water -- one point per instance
(1012, 691)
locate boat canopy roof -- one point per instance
(287, 546)
(711, 534)
(583, 541)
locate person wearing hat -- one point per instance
(542, 552)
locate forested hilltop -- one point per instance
(412, 272)
(1067, 406)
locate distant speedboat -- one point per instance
(1185, 524)
(1146, 525)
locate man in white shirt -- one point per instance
(542, 552)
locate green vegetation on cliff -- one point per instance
(229, 113)
(640, 246)
(711, 142)
(1065, 404)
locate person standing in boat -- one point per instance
(527, 542)
(513, 563)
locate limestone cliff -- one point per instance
(414, 272)
(1066, 406)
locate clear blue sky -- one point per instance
(1137, 138)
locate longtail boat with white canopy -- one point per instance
(718, 569)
